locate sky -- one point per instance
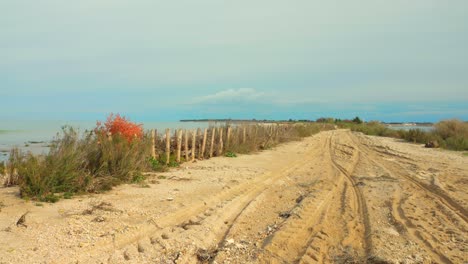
(395, 60)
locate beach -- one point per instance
(338, 196)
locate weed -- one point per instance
(138, 178)
(162, 177)
(50, 198)
(67, 195)
(230, 154)
(173, 164)
(155, 164)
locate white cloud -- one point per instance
(230, 95)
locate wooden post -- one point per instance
(220, 141)
(153, 144)
(202, 154)
(179, 144)
(276, 132)
(168, 145)
(194, 141)
(244, 135)
(228, 139)
(199, 143)
(255, 135)
(186, 145)
(6, 175)
(213, 132)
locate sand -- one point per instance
(336, 197)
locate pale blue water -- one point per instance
(34, 136)
(423, 128)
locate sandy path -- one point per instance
(337, 197)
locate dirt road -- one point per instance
(336, 197)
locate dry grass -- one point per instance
(94, 162)
(450, 134)
(77, 164)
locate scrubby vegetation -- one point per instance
(450, 134)
(118, 151)
(259, 137)
(95, 161)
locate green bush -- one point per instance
(457, 143)
(416, 136)
(77, 164)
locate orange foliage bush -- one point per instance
(115, 124)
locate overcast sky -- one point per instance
(395, 60)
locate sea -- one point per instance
(35, 136)
(426, 128)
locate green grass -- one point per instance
(230, 154)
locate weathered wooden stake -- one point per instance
(213, 132)
(194, 139)
(228, 139)
(186, 145)
(220, 141)
(168, 145)
(199, 143)
(179, 143)
(202, 154)
(153, 144)
(244, 136)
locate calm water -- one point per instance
(34, 136)
(423, 128)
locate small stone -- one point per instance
(82, 244)
(141, 248)
(99, 219)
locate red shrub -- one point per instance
(115, 124)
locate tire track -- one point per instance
(229, 204)
(410, 229)
(305, 238)
(361, 204)
(291, 242)
(435, 192)
(402, 222)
